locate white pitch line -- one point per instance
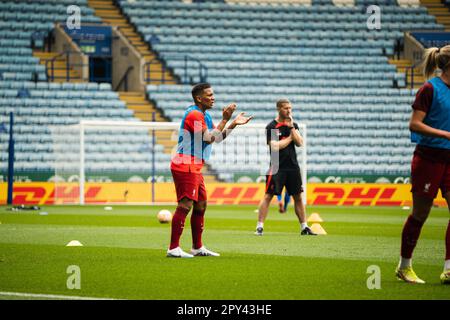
(48, 296)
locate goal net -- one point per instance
(117, 162)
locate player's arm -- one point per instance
(421, 106)
(296, 137)
(216, 134)
(417, 125)
(273, 141)
(240, 120)
(281, 144)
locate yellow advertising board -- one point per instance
(44, 193)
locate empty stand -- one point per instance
(320, 55)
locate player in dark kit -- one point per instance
(282, 138)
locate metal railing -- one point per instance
(185, 79)
(50, 66)
(409, 74)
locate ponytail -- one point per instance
(430, 62)
(436, 58)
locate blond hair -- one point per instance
(436, 58)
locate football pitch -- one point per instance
(123, 255)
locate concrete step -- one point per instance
(131, 93)
(156, 82)
(426, 2)
(399, 62)
(148, 116)
(101, 6)
(135, 38)
(438, 10)
(141, 47)
(46, 55)
(165, 142)
(75, 80)
(134, 100)
(129, 31)
(140, 107)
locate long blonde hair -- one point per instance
(436, 58)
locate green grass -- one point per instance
(124, 254)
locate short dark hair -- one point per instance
(282, 102)
(198, 88)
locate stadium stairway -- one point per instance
(60, 67)
(402, 65)
(143, 108)
(111, 14)
(442, 14)
(439, 10)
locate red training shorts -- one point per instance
(189, 185)
(427, 177)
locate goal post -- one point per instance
(140, 152)
(124, 125)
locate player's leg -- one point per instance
(197, 226)
(274, 186)
(198, 223)
(425, 177)
(280, 203)
(186, 188)
(287, 199)
(263, 210)
(177, 227)
(300, 212)
(295, 188)
(299, 207)
(410, 235)
(445, 276)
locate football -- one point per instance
(164, 216)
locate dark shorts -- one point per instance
(292, 180)
(428, 176)
(189, 185)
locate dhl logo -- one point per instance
(218, 193)
(45, 195)
(378, 196)
(235, 195)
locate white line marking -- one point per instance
(48, 296)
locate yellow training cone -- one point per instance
(317, 228)
(315, 218)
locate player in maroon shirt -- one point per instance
(430, 167)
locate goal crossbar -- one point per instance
(85, 124)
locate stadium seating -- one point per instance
(23, 24)
(46, 106)
(40, 107)
(320, 55)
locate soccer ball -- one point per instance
(164, 216)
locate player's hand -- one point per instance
(289, 121)
(242, 119)
(227, 112)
